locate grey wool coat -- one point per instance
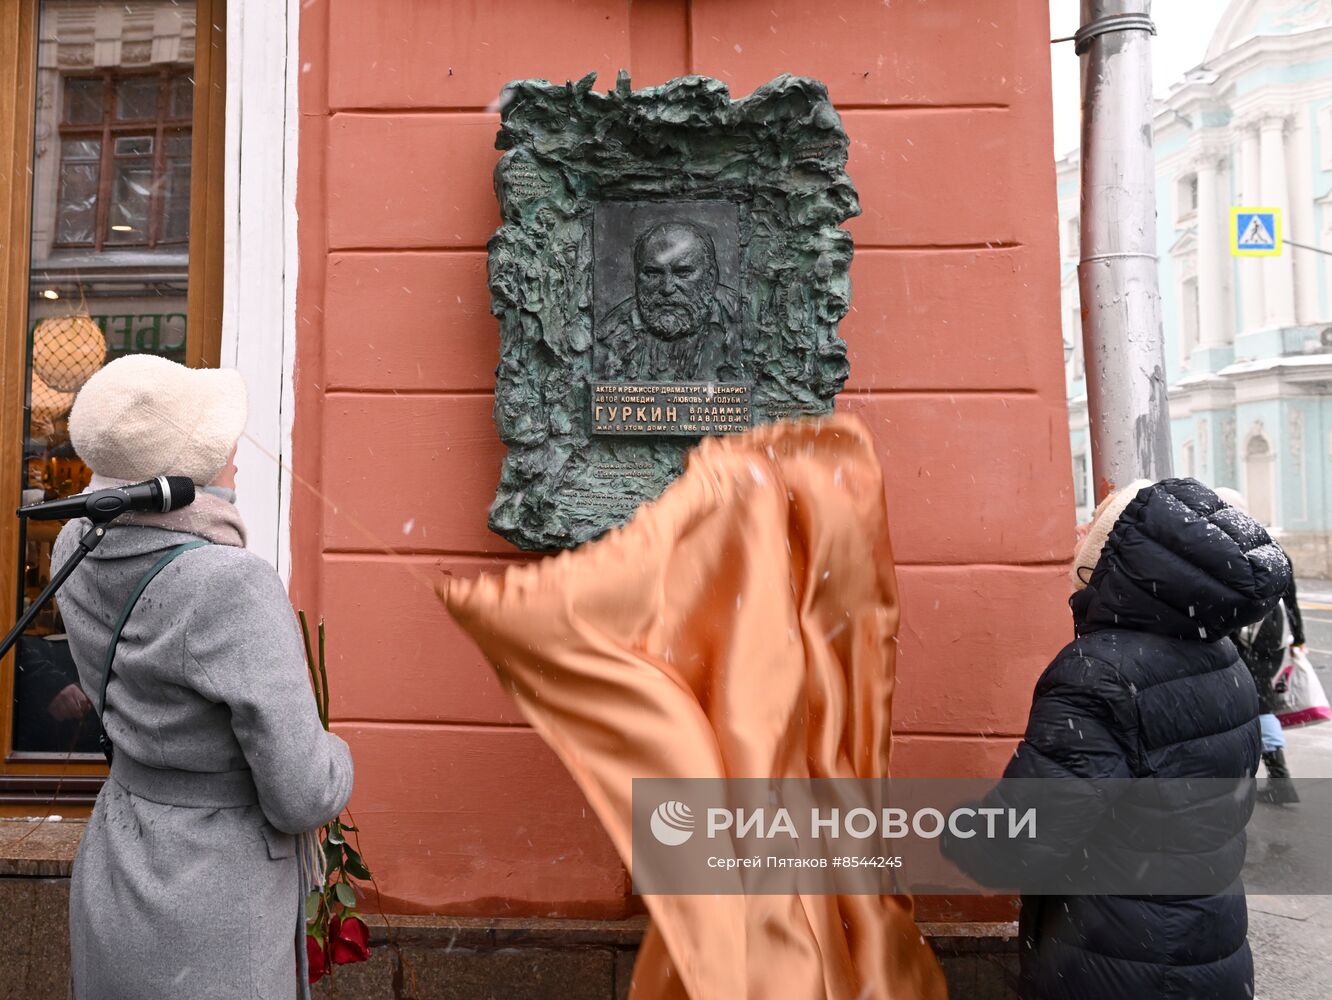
(186, 882)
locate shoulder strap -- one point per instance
(147, 578)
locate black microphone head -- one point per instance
(181, 489)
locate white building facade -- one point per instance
(1248, 339)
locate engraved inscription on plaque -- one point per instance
(604, 489)
(681, 408)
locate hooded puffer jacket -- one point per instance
(1151, 688)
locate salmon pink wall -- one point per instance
(956, 366)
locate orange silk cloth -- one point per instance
(740, 626)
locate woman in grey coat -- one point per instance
(187, 884)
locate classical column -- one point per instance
(1212, 256)
(1250, 193)
(1278, 273)
(1300, 220)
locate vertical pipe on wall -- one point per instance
(1117, 277)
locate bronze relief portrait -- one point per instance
(666, 300)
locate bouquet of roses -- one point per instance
(335, 935)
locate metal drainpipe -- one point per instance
(1127, 405)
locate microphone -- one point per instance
(156, 495)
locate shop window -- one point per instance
(117, 260)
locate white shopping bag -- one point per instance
(1303, 702)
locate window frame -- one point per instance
(1265, 467)
(1190, 319)
(106, 132)
(1186, 196)
(31, 782)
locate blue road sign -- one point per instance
(1255, 232)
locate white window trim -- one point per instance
(260, 259)
(1272, 469)
(1189, 319)
(1183, 212)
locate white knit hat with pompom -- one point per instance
(143, 416)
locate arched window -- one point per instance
(1260, 477)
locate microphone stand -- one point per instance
(90, 540)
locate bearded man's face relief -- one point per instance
(676, 280)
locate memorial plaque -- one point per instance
(670, 266)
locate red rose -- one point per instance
(348, 940)
(314, 951)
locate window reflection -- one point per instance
(108, 275)
(138, 195)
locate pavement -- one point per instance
(1290, 934)
(1316, 609)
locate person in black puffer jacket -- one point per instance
(1150, 688)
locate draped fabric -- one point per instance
(742, 625)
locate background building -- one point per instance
(1248, 340)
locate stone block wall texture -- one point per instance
(452, 959)
(34, 952)
(956, 365)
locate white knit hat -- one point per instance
(1103, 521)
(143, 416)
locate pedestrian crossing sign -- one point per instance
(1255, 232)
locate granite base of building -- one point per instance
(425, 957)
(428, 958)
(536, 959)
(34, 950)
(1311, 552)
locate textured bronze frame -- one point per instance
(779, 155)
